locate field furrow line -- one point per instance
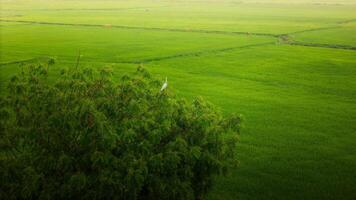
(23, 61)
(346, 21)
(145, 28)
(311, 30)
(330, 46)
(87, 9)
(198, 53)
(148, 60)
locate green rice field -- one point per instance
(288, 66)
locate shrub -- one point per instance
(86, 136)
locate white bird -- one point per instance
(164, 86)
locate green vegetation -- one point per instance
(334, 36)
(88, 137)
(288, 66)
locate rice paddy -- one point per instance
(288, 67)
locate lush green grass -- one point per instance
(299, 103)
(340, 36)
(220, 15)
(111, 44)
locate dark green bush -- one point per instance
(88, 137)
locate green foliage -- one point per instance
(87, 137)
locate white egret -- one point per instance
(164, 86)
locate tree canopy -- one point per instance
(86, 136)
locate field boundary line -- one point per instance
(329, 46)
(86, 9)
(346, 21)
(197, 53)
(311, 30)
(146, 28)
(287, 40)
(23, 61)
(153, 59)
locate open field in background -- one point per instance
(275, 19)
(341, 36)
(289, 67)
(113, 44)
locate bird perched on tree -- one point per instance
(164, 86)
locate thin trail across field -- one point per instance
(148, 60)
(330, 46)
(198, 53)
(144, 28)
(88, 9)
(346, 21)
(287, 40)
(24, 61)
(313, 29)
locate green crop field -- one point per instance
(288, 66)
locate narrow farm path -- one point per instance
(145, 28)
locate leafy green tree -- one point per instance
(88, 137)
